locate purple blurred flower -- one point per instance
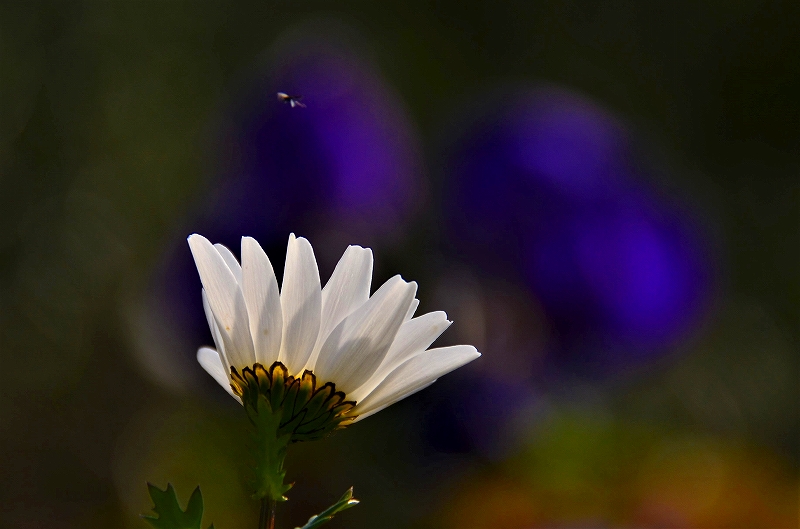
(546, 192)
(349, 162)
(345, 168)
(542, 154)
(629, 275)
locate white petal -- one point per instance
(226, 301)
(301, 304)
(412, 339)
(260, 289)
(411, 310)
(211, 362)
(358, 345)
(414, 375)
(346, 290)
(231, 261)
(214, 326)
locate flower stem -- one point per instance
(267, 518)
(269, 451)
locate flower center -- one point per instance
(307, 412)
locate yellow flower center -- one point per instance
(308, 412)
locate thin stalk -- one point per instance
(267, 518)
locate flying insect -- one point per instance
(293, 101)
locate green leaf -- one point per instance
(270, 451)
(169, 514)
(345, 502)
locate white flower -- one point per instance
(369, 347)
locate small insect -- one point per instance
(293, 101)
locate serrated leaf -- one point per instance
(169, 514)
(345, 502)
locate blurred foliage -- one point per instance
(585, 468)
(106, 121)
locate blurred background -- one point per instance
(603, 197)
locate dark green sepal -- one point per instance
(278, 388)
(169, 514)
(307, 412)
(345, 502)
(292, 425)
(290, 396)
(320, 398)
(270, 450)
(319, 423)
(306, 386)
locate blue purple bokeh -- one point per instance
(348, 162)
(346, 169)
(549, 191)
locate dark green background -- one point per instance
(103, 135)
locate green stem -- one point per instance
(270, 452)
(267, 518)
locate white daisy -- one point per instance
(326, 356)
